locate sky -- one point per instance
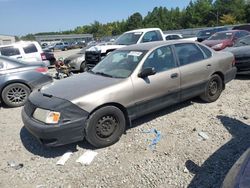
(20, 17)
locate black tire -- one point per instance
(105, 126)
(213, 89)
(15, 95)
(82, 67)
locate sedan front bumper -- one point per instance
(70, 127)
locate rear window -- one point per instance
(31, 48)
(207, 52)
(9, 51)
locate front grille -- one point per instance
(29, 108)
(93, 56)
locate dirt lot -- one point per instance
(181, 157)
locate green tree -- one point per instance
(134, 21)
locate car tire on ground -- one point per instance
(82, 67)
(15, 95)
(213, 89)
(105, 126)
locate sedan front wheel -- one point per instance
(105, 126)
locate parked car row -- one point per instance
(28, 52)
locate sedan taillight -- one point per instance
(43, 56)
(233, 62)
(42, 69)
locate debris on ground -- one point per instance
(155, 140)
(64, 158)
(203, 135)
(87, 157)
(15, 165)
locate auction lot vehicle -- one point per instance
(18, 79)
(58, 46)
(94, 54)
(173, 36)
(206, 33)
(223, 39)
(238, 176)
(25, 51)
(130, 82)
(241, 51)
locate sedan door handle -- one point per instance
(175, 75)
(19, 57)
(209, 65)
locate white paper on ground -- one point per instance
(87, 157)
(64, 158)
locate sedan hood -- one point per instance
(79, 85)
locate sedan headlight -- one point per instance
(220, 45)
(46, 116)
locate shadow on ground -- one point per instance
(214, 169)
(33, 146)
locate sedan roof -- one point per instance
(151, 45)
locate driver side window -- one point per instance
(150, 37)
(161, 59)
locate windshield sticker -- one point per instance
(138, 33)
(134, 53)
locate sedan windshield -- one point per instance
(128, 38)
(221, 36)
(119, 64)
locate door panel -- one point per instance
(160, 90)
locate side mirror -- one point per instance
(147, 72)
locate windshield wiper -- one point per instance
(103, 74)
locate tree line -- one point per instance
(198, 13)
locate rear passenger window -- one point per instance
(9, 51)
(207, 52)
(31, 48)
(188, 53)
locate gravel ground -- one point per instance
(181, 158)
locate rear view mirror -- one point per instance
(147, 72)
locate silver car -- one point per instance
(128, 83)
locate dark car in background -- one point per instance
(239, 174)
(241, 51)
(206, 33)
(18, 79)
(223, 39)
(245, 27)
(48, 55)
(58, 46)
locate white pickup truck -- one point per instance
(94, 54)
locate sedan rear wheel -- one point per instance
(15, 95)
(105, 126)
(213, 89)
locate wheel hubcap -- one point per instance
(17, 95)
(106, 126)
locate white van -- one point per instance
(25, 51)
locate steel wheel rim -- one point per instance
(16, 95)
(106, 126)
(213, 87)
